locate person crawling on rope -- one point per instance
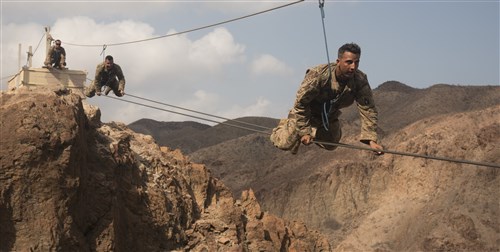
(326, 89)
(110, 75)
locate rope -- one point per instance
(178, 33)
(103, 52)
(410, 154)
(196, 117)
(33, 54)
(191, 30)
(327, 105)
(39, 42)
(321, 5)
(6, 77)
(205, 114)
(314, 141)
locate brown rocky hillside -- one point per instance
(191, 136)
(71, 183)
(400, 105)
(388, 203)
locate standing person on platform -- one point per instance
(56, 56)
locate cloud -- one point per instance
(268, 64)
(170, 68)
(216, 49)
(97, 9)
(171, 56)
(243, 6)
(161, 110)
(201, 101)
(26, 35)
(206, 103)
(259, 108)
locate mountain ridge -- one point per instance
(348, 192)
(398, 105)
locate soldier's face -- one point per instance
(108, 64)
(347, 65)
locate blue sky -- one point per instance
(253, 66)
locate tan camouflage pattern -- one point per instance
(285, 135)
(112, 74)
(116, 80)
(314, 90)
(49, 58)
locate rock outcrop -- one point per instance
(71, 183)
(365, 202)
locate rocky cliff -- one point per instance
(71, 183)
(395, 203)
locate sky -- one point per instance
(252, 66)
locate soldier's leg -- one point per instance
(55, 61)
(121, 87)
(117, 92)
(285, 135)
(333, 135)
(62, 62)
(47, 61)
(114, 86)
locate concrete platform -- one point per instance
(33, 77)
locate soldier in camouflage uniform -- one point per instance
(110, 75)
(56, 56)
(323, 92)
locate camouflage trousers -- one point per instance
(57, 62)
(286, 135)
(110, 85)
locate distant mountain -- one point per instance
(191, 136)
(400, 105)
(394, 86)
(382, 203)
(242, 158)
(173, 134)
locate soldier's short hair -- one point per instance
(109, 57)
(349, 47)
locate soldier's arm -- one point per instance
(309, 89)
(49, 55)
(97, 78)
(368, 113)
(121, 78)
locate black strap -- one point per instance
(327, 105)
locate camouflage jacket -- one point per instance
(103, 76)
(316, 88)
(53, 53)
